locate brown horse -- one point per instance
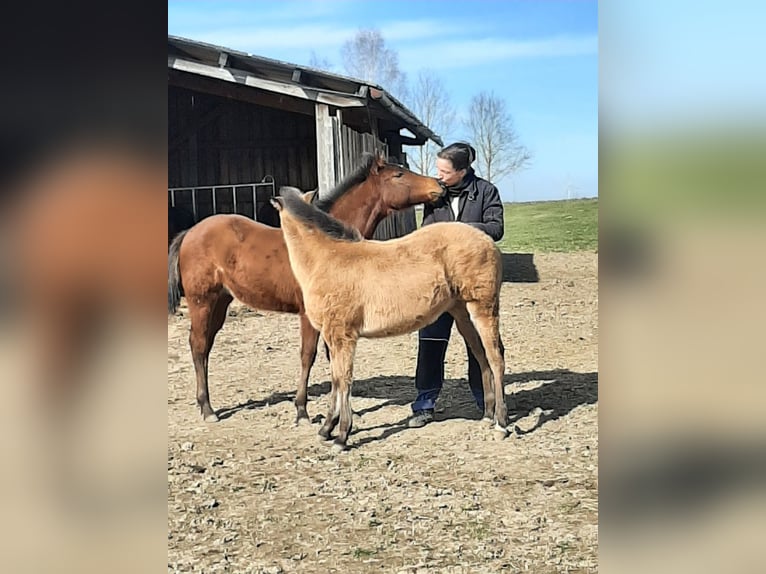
(381, 289)
(227, 256)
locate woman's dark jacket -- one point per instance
(479, 206)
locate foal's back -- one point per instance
(463, 253)
(395, 287)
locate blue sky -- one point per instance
(682, 63)
(541, 57)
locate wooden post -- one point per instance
(340, 151)
(325, 150)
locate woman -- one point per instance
(474, 201)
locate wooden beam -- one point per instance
(404, 140)
(239, 92)
(243, 77)
(325, 150)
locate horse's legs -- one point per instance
(342, 367)
(309, 340)
(466, 328)
(207, 318)
(486, 321)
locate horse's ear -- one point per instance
(379, 162)
(278, 203)
(308, 197)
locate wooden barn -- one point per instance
(241, 126)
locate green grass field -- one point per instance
(549, 226)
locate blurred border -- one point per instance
(83, 133)
(682, 238)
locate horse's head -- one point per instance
(374, 190)
(401, 188)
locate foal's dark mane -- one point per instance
(311, 215)
(360, 174)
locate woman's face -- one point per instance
(446, 172)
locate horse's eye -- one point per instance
(399, 174)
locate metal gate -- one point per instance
(205, 200)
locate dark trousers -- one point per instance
(429, 374)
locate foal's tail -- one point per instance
(175, 289)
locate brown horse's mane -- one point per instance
(360, 174)
(311, 215)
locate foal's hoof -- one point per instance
(211, 418)
(302, 421)
(488, 421)
(323, 435)
(500, 432)
(338, 446)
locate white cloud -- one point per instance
(418, 29)
(264, 40)
(463, 53)
(256, 15)
(261, 40)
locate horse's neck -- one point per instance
(360, 209)
(303, 247)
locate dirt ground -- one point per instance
(254, 493)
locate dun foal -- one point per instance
(356, 288)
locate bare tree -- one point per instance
(367, 57)
(430, 102)
(491, 132)
(320, 63)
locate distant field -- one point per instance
(548, 226)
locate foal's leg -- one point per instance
(309, 340)
(207, 318)
(487, 323)
(466, 328)
(342, 367)
(332, 414)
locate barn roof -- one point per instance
(301, 82)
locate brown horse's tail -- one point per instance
(175, 288)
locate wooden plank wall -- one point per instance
(219, 141)
(351, 145)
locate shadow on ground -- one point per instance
(557, 394)
(519, 268)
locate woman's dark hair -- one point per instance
(461, 154)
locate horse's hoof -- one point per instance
(211, 418)
(302, 421)
(324, 437)
(488, 421)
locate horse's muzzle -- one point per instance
(443, 187)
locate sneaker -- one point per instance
(421, 418)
